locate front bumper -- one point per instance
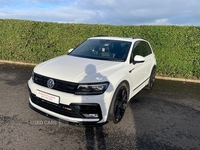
(81, 113)
(92, 124)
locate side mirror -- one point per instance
(138, 59)
(70, 50)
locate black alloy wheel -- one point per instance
(120, 103)
(152, 78)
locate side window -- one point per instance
(146, 50)
(136, 50)
(141, 48)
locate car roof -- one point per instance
(117, 38)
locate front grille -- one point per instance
(57, 108)
(60, 85)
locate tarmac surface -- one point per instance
(168, 117)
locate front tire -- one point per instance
(119, 103)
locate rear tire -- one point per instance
(152, 79)
(119, 103)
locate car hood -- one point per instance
(77, 69)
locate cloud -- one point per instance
(116, 12)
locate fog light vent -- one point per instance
(91, 110)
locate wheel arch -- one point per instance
(154, 67)
(109, 118)
(150, 85)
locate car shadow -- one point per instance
(93, 135)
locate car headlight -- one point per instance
(92, 89)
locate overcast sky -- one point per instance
(114, 12)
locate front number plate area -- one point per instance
(48, 97)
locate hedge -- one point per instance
(177, 48)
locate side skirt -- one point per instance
(139, 88)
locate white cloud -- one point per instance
(161, 21)
(117, 12)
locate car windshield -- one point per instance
(112, 50)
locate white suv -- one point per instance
(93, 83)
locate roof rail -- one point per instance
(136, 37)
(100, 35)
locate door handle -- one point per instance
(131, 70)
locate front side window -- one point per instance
(136, 51)
(112, 50)
(146, 50)
(141, 48)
